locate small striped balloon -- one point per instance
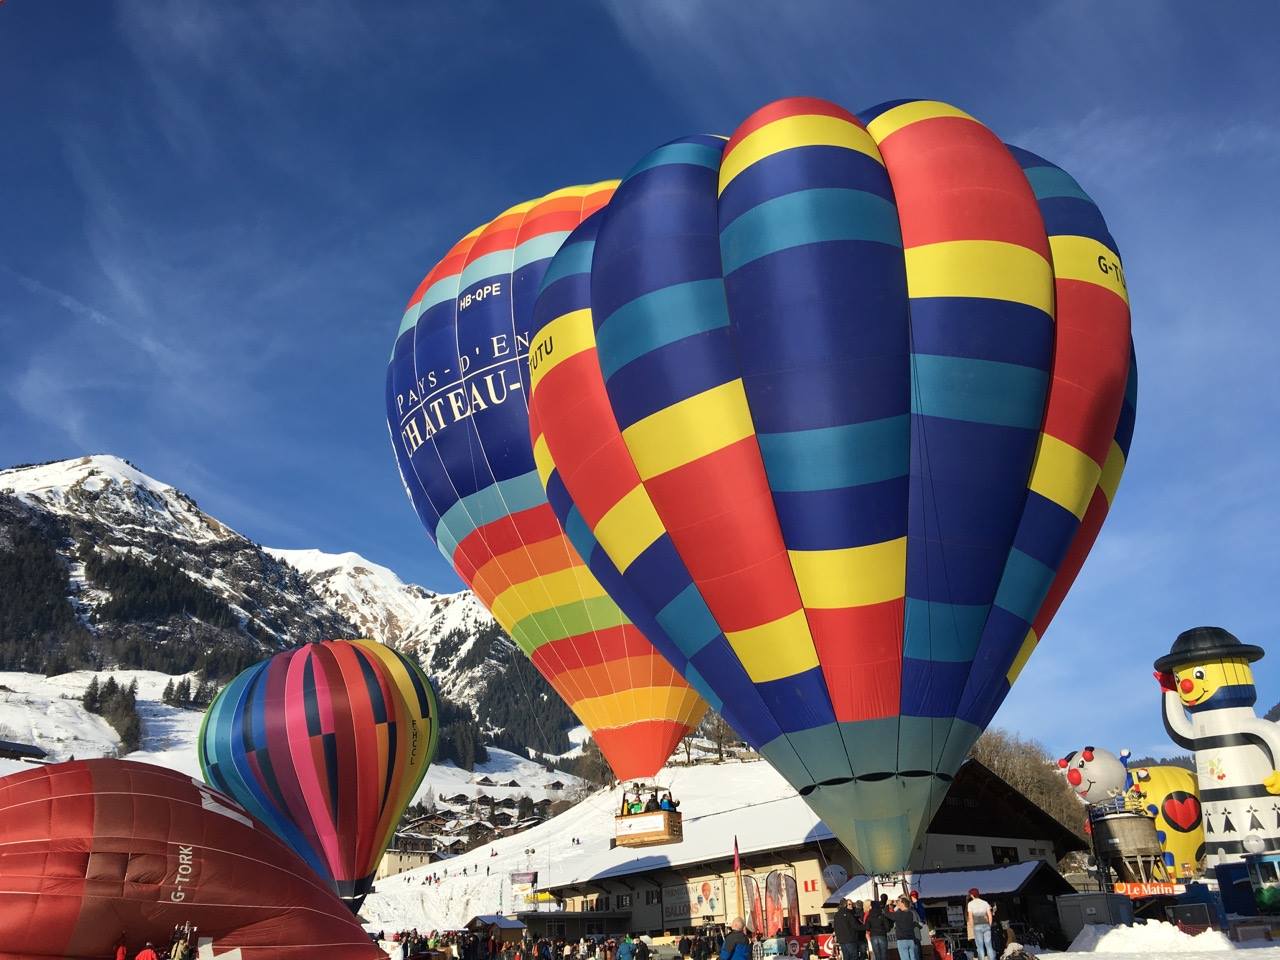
(326, 744)
(459, 422)
(845, 400)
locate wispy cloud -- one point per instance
(702, 51)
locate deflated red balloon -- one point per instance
(95, 848)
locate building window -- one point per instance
(602, 903)
(1004, 854)
(651, 897)
(624, 901)
(966, 848)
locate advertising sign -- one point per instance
(1137, 891)
(522, 885)
(694, 900)
(640, 823)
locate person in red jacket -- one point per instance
(122, 951)
(147, 953)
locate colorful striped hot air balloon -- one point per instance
(844, 401)
(326, 744)
(459, 424)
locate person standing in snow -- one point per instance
(736, 946)
(979, 916)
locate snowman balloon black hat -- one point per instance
(1208, 699)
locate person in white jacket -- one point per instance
(1209, 699)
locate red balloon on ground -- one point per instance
(93, 848)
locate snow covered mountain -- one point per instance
(469, 658)
(442, 629)
(103, 566)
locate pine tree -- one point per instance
(110, 690)
(167, 696)
(182, 692)
(92, 696)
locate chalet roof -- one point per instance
(12, 750)
(956, 883)
(494, 920)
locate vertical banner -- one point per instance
(522, 887)
(792, 904)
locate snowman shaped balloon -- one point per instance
(1095, 775)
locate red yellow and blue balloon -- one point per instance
(844, 400)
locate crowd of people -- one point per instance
(181, 946)
(863, 930)
(466, 945)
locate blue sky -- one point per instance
(214, 213)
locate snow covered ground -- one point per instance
(1158, 939)
(47, 712)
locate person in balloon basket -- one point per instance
(736, 946)
(878, 926)
(850, 930)
(148, 953)
(979, 917)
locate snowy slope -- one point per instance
(47, 711)
(447, 780)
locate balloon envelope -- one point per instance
(326, 744)
(457, 413)
(844, 400)
(93, 848)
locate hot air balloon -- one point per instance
(459, 425)
(326, 744)
(845, 399)
(93, 848)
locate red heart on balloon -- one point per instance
(1182, 811)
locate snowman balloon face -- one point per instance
(1095, 775)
